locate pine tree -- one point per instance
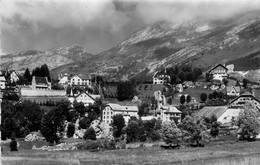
(27, 75)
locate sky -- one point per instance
(97, 25)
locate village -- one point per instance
(88, 108)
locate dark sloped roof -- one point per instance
(217, 66)
(41, 80)
(212, 111)
(247, 94)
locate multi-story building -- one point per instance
(218, 72)
(161, 78)
(2, 82)
(14, 77)
(112, 109)
(170, 113)
(80, 80)
(244, 99)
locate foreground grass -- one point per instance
(228, 153)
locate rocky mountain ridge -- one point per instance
(198, 42)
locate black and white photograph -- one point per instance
(131, 82)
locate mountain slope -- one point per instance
(198, 42)
(53, 58)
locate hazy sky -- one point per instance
(97, 25)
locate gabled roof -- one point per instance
(84, 93)
(41, 80)
(170, 109)
(230, 88)
(246, 94)
(2, 78)
(212, 111)
(114, 106)
(217, 66)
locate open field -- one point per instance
(228, 153)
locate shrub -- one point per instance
(203, 97)
(13, 146)
(70, 130)
(84, 123)
(170, 133)
(155, 136)
(132, 131)
(101, 144)
(194, 130)
(90, 134)
(89, 145)
(118, 125)
(248, 123)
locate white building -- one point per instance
(170, 113)
(161, 78)
(219, 72)
(2, 82)
(80, 80)
(64, 79)
(14, 77)
(112, 109)
(224, 114)
(84, 97)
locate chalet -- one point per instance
(80, 80)
(112, 109)
(161, 78)
(245, 99)
(224, 114)
(170, 113)
(41, 83)
(2, 82)
(218, 72)
(14, 77)
(84, 97)
(233, 90)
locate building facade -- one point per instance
(84, 97)
(112, 109)
(245, 99)
(2, 82)
(219, 72)
(161, 78)
(79, 80)
(170, 113)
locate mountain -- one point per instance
(198, 42)
(71, 55)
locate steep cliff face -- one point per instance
(53, 58)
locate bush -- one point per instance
(84, 123)
(89, 145)
(97, 145)
(194, 130)
(155, 136)
(170, 133)
(132, 131)
(70, 130)
(118, 125)
(248, 123)
(13, 146)
(90, 134)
